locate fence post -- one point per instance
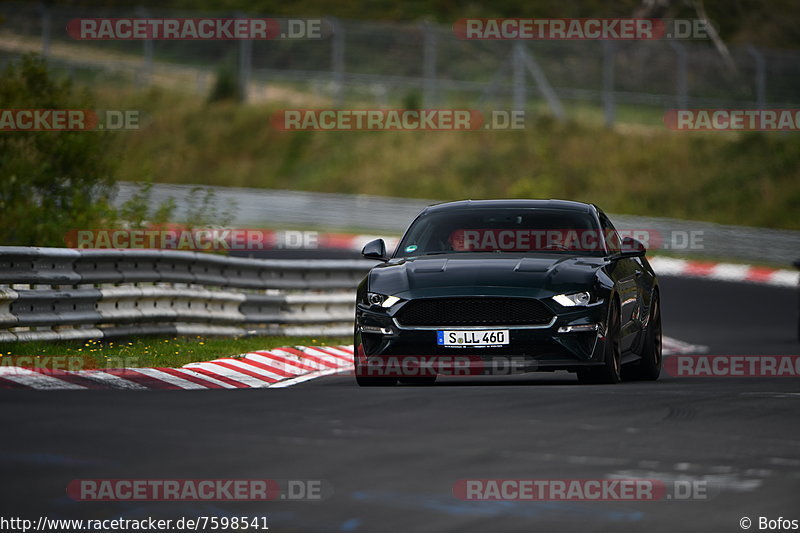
(518, 75)
(680, 74)
(429, 66)
(544, 86)
(337, 62)
(245, 64)
(608, 82)
(146, 72)
(44, 10)
(761, 76)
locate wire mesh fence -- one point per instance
(382, 64)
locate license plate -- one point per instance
(493, 337)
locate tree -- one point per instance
(50, 181)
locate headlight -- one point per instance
(572, 300)
(381, 300)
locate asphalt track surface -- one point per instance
(393, 455)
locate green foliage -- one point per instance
(226, 85)
(135, 212)
(202, 210)
(770, 24)
(633, 168)
(154, 351)
(50, 182)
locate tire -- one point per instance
(610, 372)
(649, 367)
(371, 381)
(419, 380)
(375, 382)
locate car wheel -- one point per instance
(649, 367)
(375, 382)
(370, 381)
(610, 372)
(419, 380)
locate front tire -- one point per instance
(611, 371)
(419, 380)
(375, 382)
(649, 367)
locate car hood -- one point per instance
(487, 274)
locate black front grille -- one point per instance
(474, 312)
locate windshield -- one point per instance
(510, 230)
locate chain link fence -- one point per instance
(416, 65)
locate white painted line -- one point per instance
(309, 362)
(667, 266)
(307, 377)
(336, 360)
(35, 380)
(115, 382)
(169, 378)
(254, 369)
(670, 346)
(245, 379)
(276, 362)
(785, 278)
(204, 377)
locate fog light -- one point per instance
(577, 329)
(376, 329)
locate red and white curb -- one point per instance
(280, 367)
(277, 368)
(667, 266)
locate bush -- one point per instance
(226, 86)
(50, 182)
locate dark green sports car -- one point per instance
(475, 287)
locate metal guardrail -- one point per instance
(797, 265)
(269, 207)
(63, 294)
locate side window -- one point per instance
(610, 234)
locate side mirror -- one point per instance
(375, 250)
(632, 248)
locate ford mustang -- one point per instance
(526, 285)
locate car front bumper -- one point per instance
(378, 337)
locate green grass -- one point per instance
(152, 352)
(638, 167)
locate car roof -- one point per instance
(512, 203)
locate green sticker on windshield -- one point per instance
(410, 248)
